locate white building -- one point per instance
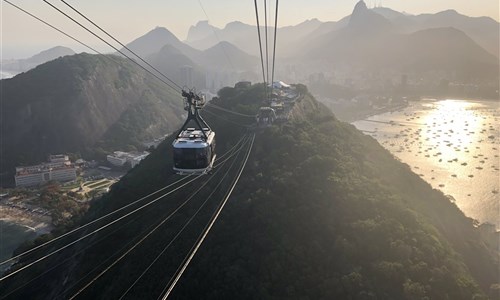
(59, 169)
(58, 158)
(280, 85)
(119, 158)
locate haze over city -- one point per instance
(23, 36)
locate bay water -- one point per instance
(452, 144)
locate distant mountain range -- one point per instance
(368, 39)
(173, 57)
(23, 65)
(372, 42)
(83, 101)
(482, 30)
(371, 39)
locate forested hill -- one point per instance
(321, 212)
(324, 212)
(84, 104)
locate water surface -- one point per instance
(452, 144)
(11, 236)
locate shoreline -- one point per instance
(39, 224)
(367, 114)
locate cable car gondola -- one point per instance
(194, 147)
(266, 116)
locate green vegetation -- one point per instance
(98, 183)
(88, 105)
(63, 207)
(321, 212)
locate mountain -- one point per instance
(153, 41)
(483, 30)
(49, 55)
(180, 68)
(23, 65)
(237, 33)
(321, 212)
(300, 30)
(200, 31)
(388, 13)
(244, 36)
(220, 65)
(446, 49)
(227, 56)
(84, 104)
(364, 44)
(365, 21)
(291, 39)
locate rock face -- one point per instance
(76, 103)
(363, 19)
(201, 30)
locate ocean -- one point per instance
(11, 236)
(452, 144)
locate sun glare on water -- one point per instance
(450, 129)
(453, 145)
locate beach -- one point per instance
(17, 226)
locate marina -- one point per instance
(452, 144)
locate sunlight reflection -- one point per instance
(451, 127)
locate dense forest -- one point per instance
(321, 212)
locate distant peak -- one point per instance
(161, 32)
(159, 29)
(313, 20)
(236, 24)
(449, 12)
(360, 6)
(359, 11)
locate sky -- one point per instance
(21, 36)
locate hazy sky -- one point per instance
(21, 36)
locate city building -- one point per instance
(120, 158)
(59, 168)
(117, 159)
